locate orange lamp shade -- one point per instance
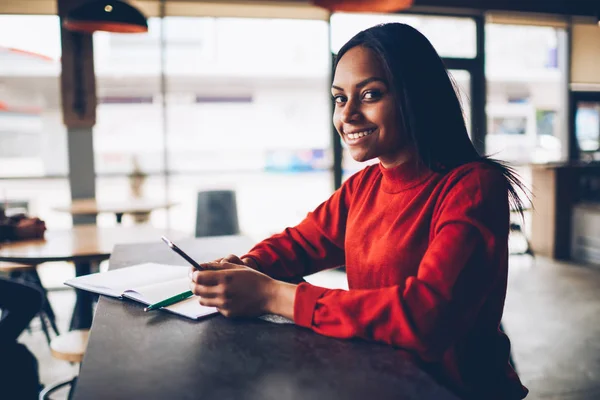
(106, 15)
(364, 5)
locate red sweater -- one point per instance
(427, 262)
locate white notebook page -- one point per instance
(115, 282)
(159, 291)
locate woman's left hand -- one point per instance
(234, 289)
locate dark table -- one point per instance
(135, 355)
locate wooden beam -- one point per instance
(78, 82)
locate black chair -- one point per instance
(28, 274)
(216, 213)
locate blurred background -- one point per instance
(245, 105)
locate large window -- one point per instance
(524, 93)
(32, 136)
(243, 112)
(460, 44)
(33, 140)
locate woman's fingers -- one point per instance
(221, 265)
(232, 258)
(218, 302)
(208, 292)
(207, 278)
(210, 302)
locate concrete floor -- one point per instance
(551, 315)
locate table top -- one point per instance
(93, 206)
(132, 354)
(80, 243)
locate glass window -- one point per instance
(33, 140)
(460, 44)
(128, 126)
(524, 93)
(32, 136)
(462, 81)
(244, 112)
(250, 113)
(129, 134)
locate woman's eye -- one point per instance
(371, 95)
(339, 99)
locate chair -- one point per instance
(70, 347)
(216, 213)
(28, 273)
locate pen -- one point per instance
(181, 296)
(181, 253)
(171, 300)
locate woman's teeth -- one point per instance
(360, 134)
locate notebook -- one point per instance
(146, 283)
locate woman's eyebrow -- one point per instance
(363, 82)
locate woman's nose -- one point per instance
(351, 111)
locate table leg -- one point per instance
(47, 308)
(83, 312)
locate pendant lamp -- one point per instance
(383, 6)
(106, 15)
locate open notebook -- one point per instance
(146, 283)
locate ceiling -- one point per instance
(564, 7)
(587, 8)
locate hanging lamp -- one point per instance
(384, 6)
(106, 15)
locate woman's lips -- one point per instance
(358, 137)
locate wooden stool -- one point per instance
(69, 347)
(28, 273)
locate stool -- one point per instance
(28, 273)
(69, 347)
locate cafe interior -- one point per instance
(209, 122)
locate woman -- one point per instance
(423, 234)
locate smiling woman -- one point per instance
(423, 235)
(365, 110)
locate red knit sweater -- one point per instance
(427, 261)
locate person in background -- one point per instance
(423, 234)
(19, 304)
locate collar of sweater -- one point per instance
(403, 177)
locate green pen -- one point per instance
(171, 300)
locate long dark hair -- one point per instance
(429, 110)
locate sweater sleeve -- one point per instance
(317, 243)
(429, 311)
